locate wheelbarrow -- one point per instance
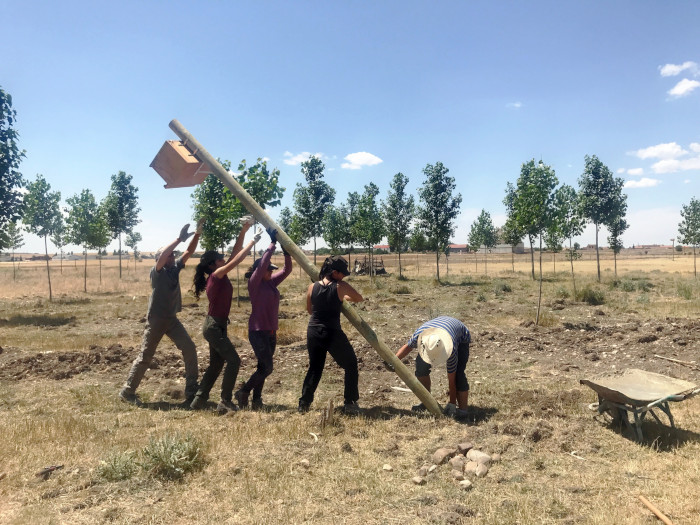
(638, 392)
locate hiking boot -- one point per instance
(198, 403)
(450, 410)
(303, 407)
(226, 407)
(241, 398)
(257, 404)
(130, 397)
(419, 408)
(352, 409)
(185, 405)
(461, 414)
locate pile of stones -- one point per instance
(466, 464)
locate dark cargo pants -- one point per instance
(221, 350)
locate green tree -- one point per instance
(10, 178)
(350, 208)
(85, 225)
(291, 224)
(59, 237)
(689, 228)
(312, 200)
(132, 241)
(483, 233)
(42, 215)
(368, 229)
(571, 222)
(530, 201)
(417, 242)
(599, 195)
(14, 242)
(615, 231)
(439, 208)
(335, 226)
(399, 210)
(121, 208)
(553, 233)
(212, 200)
(512, 233)
(261, 184)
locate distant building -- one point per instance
(504, 248)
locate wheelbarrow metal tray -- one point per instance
(638, 388)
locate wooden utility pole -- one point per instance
(263, 218)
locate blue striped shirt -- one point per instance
(457, 330)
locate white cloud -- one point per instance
(635, 171)
(355, 161)
(294, 160)
(674, 165)
(516, 105)
(670, 150)
(695, 147)
(686, 181)
(620, 170)
(644, 182)
(683, 88)
(671, 70)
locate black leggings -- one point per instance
(263, 343)
(321, 341)
(221, 351)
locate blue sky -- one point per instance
(374, 88)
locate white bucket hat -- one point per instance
(435, 346)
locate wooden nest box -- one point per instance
(179, 167)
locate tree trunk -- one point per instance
(120, 257)
(100, 259)
(314, 250)
(437, 263)
(14, 272)
(512, 259)
(554, 261)
(615, 259)
(695, 266)
(61, 261)
(48, 270)
(399, 264)
(597, 254)
(571, 258)
(486, 262)
(532, 257)
(539, 295)
(85, 272)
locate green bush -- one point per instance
(562, 293)
(402, 290)
(480, 298)
(685, 291)
(172, 456)
(118, 466)
(590, 295)
(501, 287)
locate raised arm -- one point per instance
(237, 255)
(192, 247)
(168, 250)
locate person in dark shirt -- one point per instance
(263, 321)
(163, 305)
(211, 275)
(324, 300)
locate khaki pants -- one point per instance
(156, 328)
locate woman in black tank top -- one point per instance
(324, 300)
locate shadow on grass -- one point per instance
(660, 437)
(36, 320)
(474, 416)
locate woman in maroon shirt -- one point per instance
(263, 322)
(211, 275)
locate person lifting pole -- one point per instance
(195, 149)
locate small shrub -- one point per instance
(562, 293)
(172, 456)
(501, 287)
(643, 298)
(685, 291)
(590, 295)
(480, 298)
(547, 319)
(643, 285)
(402, 278)
(118, 466)
(627, 286)
(402, 290)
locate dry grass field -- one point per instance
(63, 362)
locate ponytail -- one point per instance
(200, 279)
